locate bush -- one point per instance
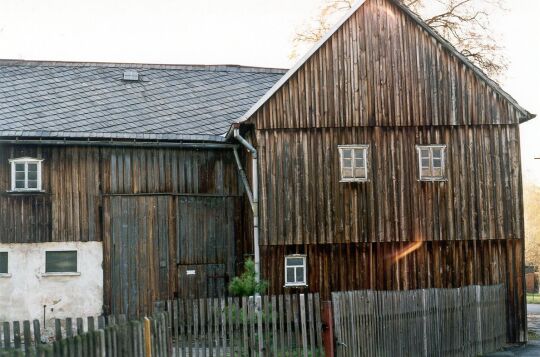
(245, 285)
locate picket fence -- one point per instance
(288, 325)
(468, 321)
(113, 337)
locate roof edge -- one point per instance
(32, 135)
(445, 43)
(191, 67)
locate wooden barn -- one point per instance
(383, 160)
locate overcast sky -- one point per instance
(248, 32)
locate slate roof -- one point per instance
(91, 100)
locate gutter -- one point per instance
(156, 144)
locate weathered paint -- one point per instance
(24, 293)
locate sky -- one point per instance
(246, 32)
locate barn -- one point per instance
(383, 160)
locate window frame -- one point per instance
(304, 265)
(26, 161)
(353, 147)
(432, 178)
(5, 274)
(61, 273)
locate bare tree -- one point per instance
(465, 23)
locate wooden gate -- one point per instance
(466, 321)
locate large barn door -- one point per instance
(205, 245)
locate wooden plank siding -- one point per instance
(406, 266)
(304, 202)
(380, 68)
(158, 212)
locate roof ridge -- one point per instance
(190, 67)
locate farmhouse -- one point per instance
(383, 160)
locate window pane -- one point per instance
(32, 167)
(295, 261)
(425, 163)
(19, 176)
(3, 262)
(61, 262)
(299, 275)
(32, 175)
(437, 163)
(347, 163)
(347, 153)
(19, 167)
(32, 184)
(346, 173)
(359, 162)
(437, 172)
(437, 153)
(290, 275)
(359, 153)
(424, 153)
(426, 173)
(19, 183)
(360, 173)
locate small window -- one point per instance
(4, 263)
(295, 270)
(431, 162)
(64, 261)
(25, 174)
(354, 162)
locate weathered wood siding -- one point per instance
(69, 207)
(303, 200)
(382, 69)
(159, 212)
(405, 266)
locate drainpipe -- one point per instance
(255, 207)
(254, 199)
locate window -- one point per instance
(4, 263)
(25, 174)
(295, 270)
(64, 261)
(431, 162)
(353, 160)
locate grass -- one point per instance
(533, 335)
(533, 298)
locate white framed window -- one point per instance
(61, 262)
(25, 174)
(4, 266)
(295, 270)
(431, 162)
(353, 163)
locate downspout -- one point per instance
(254, 199)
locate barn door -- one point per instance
(201, 280)
(205, 245)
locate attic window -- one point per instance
(25, 174)
(131, 75)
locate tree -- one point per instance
(245, 284)
(531, 202)
(464, 23)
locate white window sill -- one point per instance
(295, 286)
(436, 179)
(353, 180)
(61, 274)
(26, 191)
(5, 275)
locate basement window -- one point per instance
(431, 162)
(295, 270)
(353, 162)
(4, 264)
(61, 262)
(25, 174)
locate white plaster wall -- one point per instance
(23, 294)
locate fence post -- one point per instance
(147, 337)
(327, 328)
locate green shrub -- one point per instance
(245, 285)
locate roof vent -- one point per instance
(131, 75)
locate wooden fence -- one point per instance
(467, 321)
(288, 325)
(113, 337)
